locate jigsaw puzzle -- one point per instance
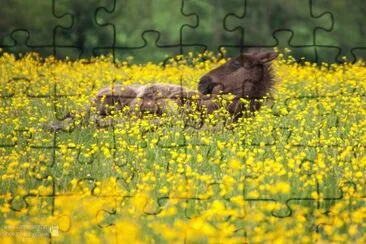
(293, 170)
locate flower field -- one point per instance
(294, 172)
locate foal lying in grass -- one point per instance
(246, 77)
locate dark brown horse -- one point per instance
(247, 77)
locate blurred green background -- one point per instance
(150, 30)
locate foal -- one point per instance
(247, 76)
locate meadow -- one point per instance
(294, 172)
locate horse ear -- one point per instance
(267, 56)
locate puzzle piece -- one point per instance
(78, 39)
(209, 16)
(25, 34)
(320, 200)
(298, 31)
(340, 39)
(146, 33)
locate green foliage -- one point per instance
(132, 18)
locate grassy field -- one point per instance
(295, 172)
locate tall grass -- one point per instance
(293, 172)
